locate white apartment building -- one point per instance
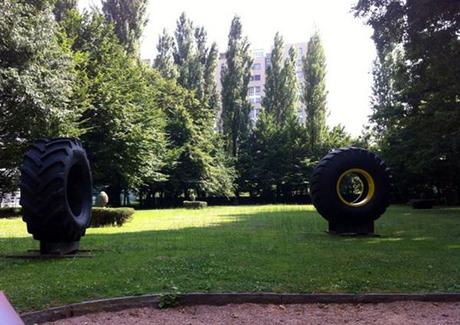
(257, 83)
(258, 77)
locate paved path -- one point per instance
(407, 313)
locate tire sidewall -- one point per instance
(78, 157)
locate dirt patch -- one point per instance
(383, 313)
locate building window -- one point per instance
(256, 66)
(253, 99)
(253, 91)
(258, 53)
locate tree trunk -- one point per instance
(141, 201)
(114, 193)
(278, 193)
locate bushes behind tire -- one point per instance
(195, 204)
(10, 213)
(111, 216)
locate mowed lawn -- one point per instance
(276, 248)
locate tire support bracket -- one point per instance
(62, 248)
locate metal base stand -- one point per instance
(62, 248)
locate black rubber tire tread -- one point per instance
(43, 183)
(325, 176)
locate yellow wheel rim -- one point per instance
(365, 196)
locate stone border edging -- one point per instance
(218, 299)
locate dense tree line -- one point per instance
(280, 152)
(416, 108)
(80, 75)
(272, 159)
(160, 132)
(166, 131)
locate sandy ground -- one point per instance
(401, 313)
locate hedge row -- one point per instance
(10, 212)
(195, 204)
(110, 216)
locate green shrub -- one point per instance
(167, 301)
(195, 204)
(10, 212)
(110, 216)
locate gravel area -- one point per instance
(406, 313)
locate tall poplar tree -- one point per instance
(211, 94)
(235, 76)
(129, 19)
(314, 93)
(281, 90)
(291, 98)
(164, 61)
(185, 53)
(196, 62)
(273, 89)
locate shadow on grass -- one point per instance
(279, 251)
(288, 226)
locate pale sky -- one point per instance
(347, 41)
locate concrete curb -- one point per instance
(218, 299)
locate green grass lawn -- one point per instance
(238, 249)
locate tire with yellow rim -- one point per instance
(350, 185)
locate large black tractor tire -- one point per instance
(328, 199)
(56, 190)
